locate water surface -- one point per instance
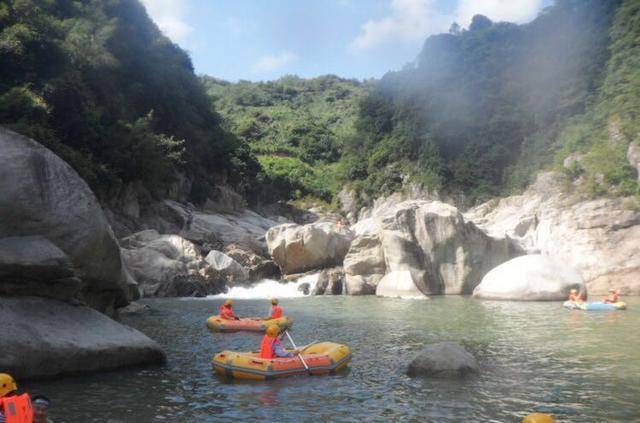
(580, 366)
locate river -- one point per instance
(579, 366)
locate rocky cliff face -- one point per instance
(597, 237)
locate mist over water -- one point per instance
(579, 366)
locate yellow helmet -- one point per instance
(228, 302)
(274, 301)
(7, 384)
(273, 330)
(539, 418)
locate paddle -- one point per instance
(299, 354)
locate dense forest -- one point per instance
(481, 110)
(98, 83)
(296, 127)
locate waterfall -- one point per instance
(269, 288)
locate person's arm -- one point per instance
(279, 351)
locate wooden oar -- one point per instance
(299, 355)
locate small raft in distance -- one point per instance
(595, 306)
(323, 358)
(218, 324)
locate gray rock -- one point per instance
(330, 282)
(134, 308)
(364, 265)
(32, 265)
(48, 338)
(443, 360)
(41, 195)
(258, 266)
(297, 248)
(233, 271)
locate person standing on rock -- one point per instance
(14, 408)
(276, 310)
(226, 311)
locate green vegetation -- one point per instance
(481, 111)
(297, 127)
(98, 83)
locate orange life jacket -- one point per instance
(17, 409)
(276, 312)
(612, 298)
(267, 345)
(226, 312)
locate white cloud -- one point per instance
(271, 62)
(497, 10)
(414, 20)
(169, 15)
(410, 20)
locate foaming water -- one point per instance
(269, 288)
(579, 366)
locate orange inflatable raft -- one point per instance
(218, 324)
(323, 358)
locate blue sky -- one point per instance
(265, 39)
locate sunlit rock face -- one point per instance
(428, 242)
(530, 278)
(598, 238)
(299, 248)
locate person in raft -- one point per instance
(14, 407)
(226, 311)
(613, 297)
(271, 346)
(276, 310)
(576, 297)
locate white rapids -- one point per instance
(269, 288)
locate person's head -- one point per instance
(274, 301)
(538, 418)
(7, 384)
(273, 330)
(574, 291)
(228, 303)
(40, 405)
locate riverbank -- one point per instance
(533, 356)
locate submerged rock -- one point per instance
(530, 278)
(134, 308)
(297, 248)
(48, 337)
(43, 196)
(443, 360)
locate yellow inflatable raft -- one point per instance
(323, 358)
(218, 324)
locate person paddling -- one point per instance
(576, 297)
(271, 346)
(14, 407)
(276, 310)
(613, 297)
(226, 311)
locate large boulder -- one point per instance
(443, 360)
(233, 271)
(41, 195)
(597, 237)
(258, 267)
(530, 278)
(47, 337)
(299, 248)
(330, 282)
(398, 284)
(169, 265)
(34, 265)
(364, 265)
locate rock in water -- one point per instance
(531, 278)
(364, 265)
(231, 269)
(443, 360)
(330, 282)
(48, 337)
(41, 195)
(297, 248)
(398, 284)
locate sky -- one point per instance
(260, 40)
